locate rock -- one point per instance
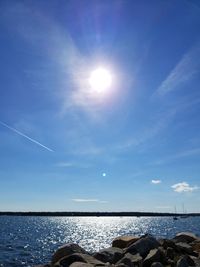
(80, 264)
(78, 257)
(124, 241)
(143, 246)
(185, 261)
(196, 246)
(165, 243)
(153, 256)
(112, 255)
(67, 250)
(156, 264)
(131, 260)
(184, 247)
(170, 253)
(185, 237)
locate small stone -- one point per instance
(185, 261)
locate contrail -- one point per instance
(27, 137)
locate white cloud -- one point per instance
(89, 200)
(156, 181)
(183, 187)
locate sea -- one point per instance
(28, 241)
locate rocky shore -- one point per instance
(128, 251)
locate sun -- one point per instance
(100, 80)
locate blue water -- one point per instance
(26, 241)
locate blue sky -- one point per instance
(134, 148)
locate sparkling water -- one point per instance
(26, 241)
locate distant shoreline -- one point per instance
(95, 214)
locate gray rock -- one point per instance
(153, 256)
(66, 250)
(131, 260)
(156, 264)
(124, 241)
(77, 257)
(112, 255)
(185, 237)
(143, 246)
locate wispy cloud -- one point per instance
(156, 181)
(25, 136)
(184, 71)
(184, 187)
(88, 200)
(73, 165)
(179, 155)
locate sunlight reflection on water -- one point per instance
(25, 241)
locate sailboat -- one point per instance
(184, 216)
(175, 217)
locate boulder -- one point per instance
(80, 264)
(157, 264)
(196, 246)
(170, 253)
(184, 248)
(67, 250)
(78, 257)
(166, 243)
(124, 241)
(143, 246)
(153, 256)
(185, 261)
(131, 260)
(185, 237)
(112, 255)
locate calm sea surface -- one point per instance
(25, 241)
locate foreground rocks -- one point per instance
(130, 251)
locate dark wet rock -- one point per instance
(196, 246)
(170, 253)
(67, 250)
(185, 261)
(143, 246)
(166, 243)
(112, 255)
(124, 241)
(184, 247)
(81, 264)
(131, 260)
(185, 237)
(77, 257)
(156, 264)
(153, 256)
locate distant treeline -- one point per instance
(96, 214)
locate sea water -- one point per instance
(26, 241)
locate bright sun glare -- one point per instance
(100, 80)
